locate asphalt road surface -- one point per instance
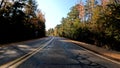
(51, 52)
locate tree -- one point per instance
(50, 32)
(31, 8)
(16, 24)
(101, 26)
(111, 19)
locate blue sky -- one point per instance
(54, 10)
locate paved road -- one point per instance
(56, 52)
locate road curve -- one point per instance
(58, 53)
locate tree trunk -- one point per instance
(1, 3)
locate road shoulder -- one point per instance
(114, 55)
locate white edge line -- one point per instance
(100, 55)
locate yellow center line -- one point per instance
(15, 63)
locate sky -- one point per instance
(54, 10)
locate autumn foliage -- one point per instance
(100, 26)
(20, 20)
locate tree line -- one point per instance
(95, 22)
(20, 20)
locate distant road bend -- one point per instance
(51, 52)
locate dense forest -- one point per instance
(20, 20)
(94, 22)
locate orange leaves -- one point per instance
(80, 8)
(40, 16)
(104, 3)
